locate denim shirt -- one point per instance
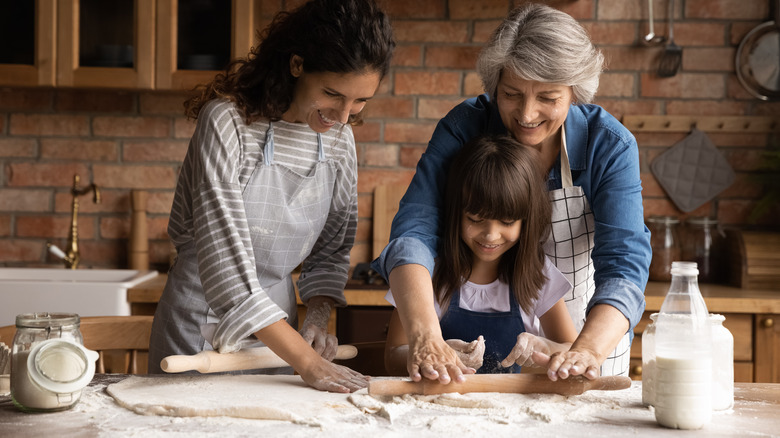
(604, 160)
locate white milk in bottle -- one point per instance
(683, 347)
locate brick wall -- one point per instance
(124, 140)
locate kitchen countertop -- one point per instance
(600, 413)
(719, 298)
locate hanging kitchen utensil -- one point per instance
(671, 58)
(651, 39)
(692, 171)
(758, 59)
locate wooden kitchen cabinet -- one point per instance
(767, 357)
(128, 44)
(105, 44)
(187, 55)
(28, 52)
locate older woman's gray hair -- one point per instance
(539, 43)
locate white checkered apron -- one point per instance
(569, 247)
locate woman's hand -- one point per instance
(602, 332)
(314, 329)
(328, 376)
(470, 353)
(433, 359)
(319, 373)
(526, 345)
(569, 363)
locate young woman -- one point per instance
(269, 183)
(495, 289)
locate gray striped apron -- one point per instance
(286, 213)
(569, 247)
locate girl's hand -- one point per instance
(569, 363)
(314, 329)
(328, 376)
(434, 359)
(526, 345)
(470, 353)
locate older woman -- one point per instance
(540, 71)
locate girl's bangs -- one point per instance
(486, 194)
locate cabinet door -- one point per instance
(195, 40)
(105, 44)
(27, 55)
(767, 353)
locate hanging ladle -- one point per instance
(651, 39)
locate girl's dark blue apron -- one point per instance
(500, 330)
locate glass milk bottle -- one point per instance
(683, 348)
(722, 364)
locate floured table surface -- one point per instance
(301, 412)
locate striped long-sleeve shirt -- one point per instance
(208, 211)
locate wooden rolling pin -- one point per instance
(514, 383)
(246, 359)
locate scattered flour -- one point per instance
(478, 414)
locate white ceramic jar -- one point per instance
(722, 364)
(648, 362)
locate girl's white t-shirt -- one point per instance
(494, 297)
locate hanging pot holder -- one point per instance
(692, 171)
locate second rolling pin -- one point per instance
(246, 359)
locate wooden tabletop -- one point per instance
(719, 298)
(605, 414)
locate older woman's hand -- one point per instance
(433, 359)
(569, 363)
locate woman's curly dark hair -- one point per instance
(338, 36)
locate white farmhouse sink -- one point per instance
(87, 292)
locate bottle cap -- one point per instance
(61, 366)
(685, 268)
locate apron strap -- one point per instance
(268, 149)
(320, 148)
(566, 180)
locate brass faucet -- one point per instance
(72, 257)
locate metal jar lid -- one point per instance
(67, 321)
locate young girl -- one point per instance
(495, 289)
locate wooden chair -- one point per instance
(119, 340)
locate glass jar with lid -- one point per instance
(703, 242)
(665, 242)
(49, 364)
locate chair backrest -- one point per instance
(108, 335)
(386, 199)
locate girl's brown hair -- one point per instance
(337, 36)
(496, 178)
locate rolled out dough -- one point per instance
(265, 397)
